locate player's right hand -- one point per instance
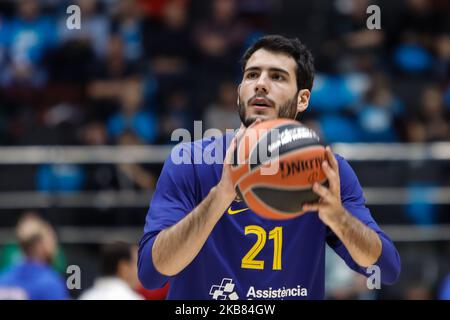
(225, 184)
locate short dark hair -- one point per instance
(112, 254)
(292, 47)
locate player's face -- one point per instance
(269, 87)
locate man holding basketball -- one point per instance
(209, 245)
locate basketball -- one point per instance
(275, 165)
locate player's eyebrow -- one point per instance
(270, 69)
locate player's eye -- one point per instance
(277, 77)
(252, 75)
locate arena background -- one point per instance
(86, 115)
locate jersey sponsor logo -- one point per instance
(224, 291)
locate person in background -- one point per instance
(133, 176)
(127, 23)
(29, 36)
(94, 31)
(432, 122)
(34, 278)
(11, 254)
(222, 113)
(378, 115)
(118, 278)
(177, 114)
(132, 116)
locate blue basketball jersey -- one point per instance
(246, 256)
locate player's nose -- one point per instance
(262, 84)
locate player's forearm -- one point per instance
(363, 244)
(177, 246)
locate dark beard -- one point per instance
(287, 110)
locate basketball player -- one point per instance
(209, 245)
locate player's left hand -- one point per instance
(330, 205)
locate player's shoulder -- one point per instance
(346, 171)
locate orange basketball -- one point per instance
(275, 165)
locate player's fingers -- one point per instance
(332, 159)
(332, 176)
(322, 192)
(238, 137)
(229, 156)
(311, 207)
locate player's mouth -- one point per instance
(260, 103)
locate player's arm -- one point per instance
(175, 247)
(363, 243)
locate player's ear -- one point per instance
(238, 94)
(303, 100)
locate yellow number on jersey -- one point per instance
(277, 235)
(249, 262)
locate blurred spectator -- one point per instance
(132, 116)
(218, 41)
(3, 41)
(109, 77)
(94, 28)
(412, 58)
(342, 283)
(432, 122)
(60, 178)
(377, 118)
(118, 278)
(419, 20)
(58, 127)
(168, 42)
(352, 28)
(34, 279)
(11, 253)
(419, 209)
(413, 36)
(28, 38)
(128, 25)
(443, 57)
(133, 175)
(332, 93)
(222, 114)
(93, 133)
(101, 176)
(221, 33)
(169, 47)
(338, 128)
(177, 114)
(113, 66)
